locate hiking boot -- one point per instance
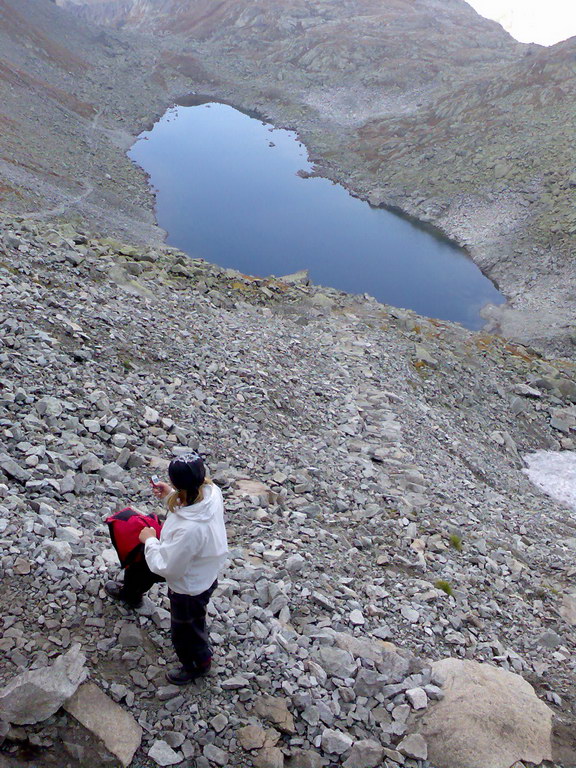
(114, 591)
(182, 676)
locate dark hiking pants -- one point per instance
(188, 628)
(138, 579)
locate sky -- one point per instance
(532, 21)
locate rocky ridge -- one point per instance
(378, 514)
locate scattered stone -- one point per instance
(417, 698)
(336, 742)
(365, 753)
(251, 737)
(415, 746)
(163, 754)
(269, 757)
(216, 755)
(276, 711)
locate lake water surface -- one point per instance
(227, 190)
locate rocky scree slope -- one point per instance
(71, 98)
(377, 508)
(425, 106)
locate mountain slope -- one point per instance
(421, 105)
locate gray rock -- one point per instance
(35, 695)
(306, 758)
(336, 662)
(216, 755)
(269, 757)
(417, 698)
(49, 406)
(365, 753)
(14, 470)
(414, 746)
(336, 742)
(130, 636)
(163, 754)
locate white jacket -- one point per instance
(192, 547)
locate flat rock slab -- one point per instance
(489, 718)
(115, 727)
(274, 709)
(35, 695)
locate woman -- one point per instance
(189, 554)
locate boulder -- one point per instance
(489, 718)
(114, 726)
(35, 695)
(302, 277)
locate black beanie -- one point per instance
(187, 472)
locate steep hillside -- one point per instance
(63, 119)
(421, 105)
(378, 515)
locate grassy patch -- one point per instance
(445, 586)
(456, 542)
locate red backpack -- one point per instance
(125, 527)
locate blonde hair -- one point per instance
(179, 498)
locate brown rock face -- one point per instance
(489, 718)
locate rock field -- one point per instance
(379, 519)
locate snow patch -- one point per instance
(554, 472)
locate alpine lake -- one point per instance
(228, 190)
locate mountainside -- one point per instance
(64, 121)
(399, 592)
(421, 105)
(378, 515)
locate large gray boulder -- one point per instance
(488, 718)
(114, 726)
(35, 695)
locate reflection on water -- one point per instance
(227, 190)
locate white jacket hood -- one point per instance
(203, 510)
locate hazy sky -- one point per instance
(532, 21)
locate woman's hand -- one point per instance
(147, 533)
(160, 490)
